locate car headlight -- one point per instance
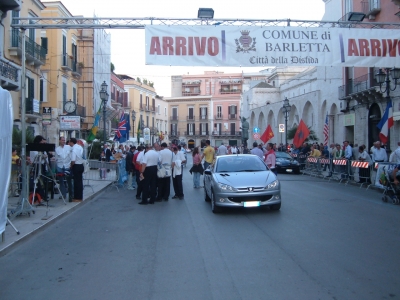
(272, 185)
(226, 187)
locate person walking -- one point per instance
(222, 150)
(197, 169)
(130, 168)
(77, 169)
(164, 183)
(149, 175)
(208, 155)
(137, 161)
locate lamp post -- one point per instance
(133, 122)
(286, 109)
(383, 77)
(104, 97)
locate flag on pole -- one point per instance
(301, 134)
(95, 128)
(139, 131)
(267, 135)
(326, 130)
(121, 130)
(386, 123)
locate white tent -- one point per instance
(6, 125)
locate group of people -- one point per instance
(143, 164)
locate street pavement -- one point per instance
(328, 241)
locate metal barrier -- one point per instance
(101, 170)
(313, 167)
(363, 171)
(340, 169)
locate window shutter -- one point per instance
(45, 42)
(74, 94)
(187, 129)
(64, 91)
(41, 91)
(194, 128)
(235, 109)
(206, 128)
(31, 89)
(206, 114)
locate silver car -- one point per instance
(241, 180)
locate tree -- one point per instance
(138, 80)
(311, 138)
(112, 67)
(17, 138)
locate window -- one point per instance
(190, 129)
(173, 129)
(219, 112)
(190, 113)
(232, 111)
(64, 92)
(217, 128)
(147, 121)
(41, 90)
(165, 111)
(203, 113)
(159, 109)
(203, 128)
(233, 127)
(175, 113)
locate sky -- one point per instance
(127, 45)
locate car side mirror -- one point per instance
(207, 172)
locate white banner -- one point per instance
(270, 46)
(70, 122)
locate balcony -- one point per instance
(147, 108)
(66, 62)
(191, 83)
(191, 93)
(371, 8)
(203, 118)
(174, 133)
(141, 106)
(361, 89)
(6, 5)
(232, 117)
(218, 117)
(9, 78)
(191, 118)
(226, 133)
(76, 69)
(153, 109)
(189, 133)
(35, 54)
(202, 133)
(230, 91)
(32, 107)
(173, 118)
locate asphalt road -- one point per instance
(328, 241)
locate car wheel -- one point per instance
(206, 197)
(276, 206)
(214, 208)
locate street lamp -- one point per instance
(286, 109)
(383, 77)
(133, 122)
(104, 97)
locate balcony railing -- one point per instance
(141, 107)
(190, 133)
(9, 74)
(34, 52)
(218, 117)
(147, 108)
(232, 116)
(191, 118)
(76, 69)
(357, 85)
(226, 133)
(203, 117)
(202, 133)
(191, 93)
(66, 62)
(174, 133)
(229, 91)
(30, 106)
(173, 118)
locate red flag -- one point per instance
(301, 134)
(267, 135)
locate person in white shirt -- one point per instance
(166, 158)
(234, 149)
(396, 155)
(222, 150)
(364, 173)
(149, 175)
(178, 159)
(379, 153)
(63, 160)
(77, 169)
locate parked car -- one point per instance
(285, 163)
(241, 180)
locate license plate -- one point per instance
(289, 170)
(251, 203)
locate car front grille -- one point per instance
(250, 198)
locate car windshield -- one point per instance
(247, 163)
(283, 155)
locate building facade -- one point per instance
(205, 106)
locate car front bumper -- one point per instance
(247, 199)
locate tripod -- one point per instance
(37, 175)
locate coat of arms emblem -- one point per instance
(245, 43)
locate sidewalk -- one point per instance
(43, 216)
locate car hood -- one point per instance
(246, 179)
